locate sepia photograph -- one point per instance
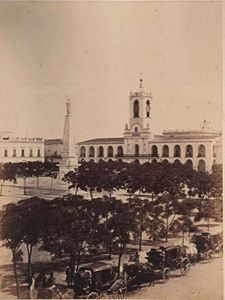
(111, 157)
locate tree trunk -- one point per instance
(37, 181)
(91, 194)
(182, 238)
(24, 185)
(110, 250)
(29, 255)
(140, 240)
(167, 225)
(72, 262)
(78, 261)
(76, 190)
(15, 274)
(51, 182)
(3, 181)
(208, 224)
(119, 258)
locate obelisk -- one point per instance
(69, 157)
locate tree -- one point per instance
(141, 211)
(200, 185)
(207, 210)
(7, 173)
(106, 208)
(33, 214)
(169, 204)
(72, 177)
(37, 169)
(130, 178)
(109, 176)
(72, 228)
(183, 224)
(120, 226)
(155, 225)
(216, 180)
(86, 177)
(10, 234)
(51, 170)
(24, 170)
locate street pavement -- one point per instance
(203, 282)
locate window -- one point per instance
(110, 151)
(136, 109)
(189, 151)
(136, 150)
(154, 151)
(91, 151)
(148, 109)
(189, 163)
(6, 153)
(165, 152)
(214, 151)
(201, 151)
(22, 153)
(136, 129)
(31, 152)
(120, 151)
(177, 151)
(14, 152)
(39, 152)
(201, 166)
(83, 151)
(100, 152)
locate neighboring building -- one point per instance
(198, 148)
(17, 149)
(53, 150)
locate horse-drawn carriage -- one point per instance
(169, 258)
(99, 280)
(160, 262)
(208, 244)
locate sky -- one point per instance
(94, 53)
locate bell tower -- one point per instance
(138, 132)
(140, 107)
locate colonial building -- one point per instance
(17, 149)
(198, 148)
(53, 150)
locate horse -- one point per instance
(191, 252)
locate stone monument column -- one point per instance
(69, 157)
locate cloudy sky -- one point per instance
(94, 52)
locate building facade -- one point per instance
(17, 149)
(53, 150)
(199, 148)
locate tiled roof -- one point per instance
(119, 140)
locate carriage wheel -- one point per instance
(166, 274)
(210, 253)
(120, 291)
(185, 266)
(92, 295)
(104, 296)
